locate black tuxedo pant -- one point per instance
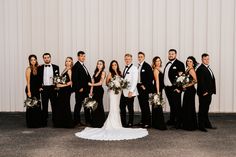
(129, 102)
(79, 98)
(204, 104)
(143, 98)
(48, 93)
(174, 99)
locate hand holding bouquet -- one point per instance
(117, 84)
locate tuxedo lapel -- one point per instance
(80, 66)
(127, 71)
(55, 70)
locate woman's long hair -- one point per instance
(154, 61)
(96, 70)
(195, 63)
(33, 68)
(113, 73)
(72, 62)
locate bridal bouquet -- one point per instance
(90, 103)
(156, 100)
(182, 80)
(117, 84)
(31, 102)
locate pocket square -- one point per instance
(174, 67)
(143, 70)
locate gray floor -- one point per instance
(17, 140)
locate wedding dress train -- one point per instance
(112, 128)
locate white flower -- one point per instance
(156, 100)
(116, 83)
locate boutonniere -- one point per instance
(143, 70)
(174, 67)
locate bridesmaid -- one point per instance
(33, 114)
(63, 115)
(97, 91)
(188, 109)
(158, 121)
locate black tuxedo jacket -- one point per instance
(205, 82)
(41, 71)
(80, 78)
(175, 68)
(146, 77)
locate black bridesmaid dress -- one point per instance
(188, 110)
(98, 115)
(34, 114)
(158, 120)
(62, 115)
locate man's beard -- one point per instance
(171, 59)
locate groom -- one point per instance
(130, 73)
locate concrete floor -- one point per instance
(17, 140)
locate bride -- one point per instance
(112, 128)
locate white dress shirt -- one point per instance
(48, 75)
(139, 71)
(166, 74)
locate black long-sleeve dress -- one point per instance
(98, 116)
(34, 114)
(158, 120)
(63, 115)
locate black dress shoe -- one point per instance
(79, 124)
(170, 122)
(82, 124)
(212, 127)
(45, 124)
(203, 129)
(178, 126)
(139, 124)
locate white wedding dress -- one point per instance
(112, 128)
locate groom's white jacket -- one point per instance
(132, 77)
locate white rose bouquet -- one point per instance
(156, 100)
(31, 102)
(59, 79)
(182, 80)
(90, 103)
(117, 84)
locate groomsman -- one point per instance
(205, 88)
(145, 86)
(46, 73)
(80, 80)
(171, 71)
(130, 73)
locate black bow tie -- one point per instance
(126, 66)
(47, 65)
(169, 63)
